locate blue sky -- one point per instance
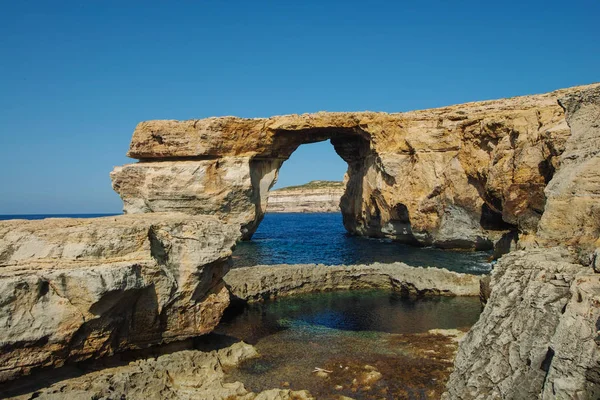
(76, 77)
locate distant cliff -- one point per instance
(315, 196)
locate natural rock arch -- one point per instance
(351, 144)
(456, 177)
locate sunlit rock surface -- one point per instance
(458, 176)
(188, 374)
(72, 289)
(462, 176)
(268, 281)
(313, 197)
(538, 336)
(572, 213)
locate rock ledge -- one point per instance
(267, 281)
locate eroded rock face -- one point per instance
(505, 355)
(268, 281)
(72, 289)
(572, 213)
(538, 335)
(458, 176)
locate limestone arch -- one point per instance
(361, 207)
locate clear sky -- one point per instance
(76, 77)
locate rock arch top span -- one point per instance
(456, 177)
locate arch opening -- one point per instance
(351, 144)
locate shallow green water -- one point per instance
(336, 330)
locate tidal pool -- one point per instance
(372, 344)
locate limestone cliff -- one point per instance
(72, 289)
(458, 176)
(538, 337)
(313, 197)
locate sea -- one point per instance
(44, 216)
(320, 238)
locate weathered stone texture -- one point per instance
(538, 335)
(268, 281)
(457, 176)
(183, 375)
(505, 355)
(71, 289)
(572, 213)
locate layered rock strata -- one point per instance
(458, 176)
(268, 281)
(184, 375)
(538, 337)
(73, 289)
(314, 197)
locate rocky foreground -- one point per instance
(74, 289)
(313, 197)
(185, 375)
(515, 174)
(270, 281)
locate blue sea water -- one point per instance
(320, 238)
(296, 238)
(44, 216)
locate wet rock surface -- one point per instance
(268, 281)
(418, 368)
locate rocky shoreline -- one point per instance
(270, 281)
(180, 371)
(466, 176)
(184, 374)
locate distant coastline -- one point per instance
(312, 197)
